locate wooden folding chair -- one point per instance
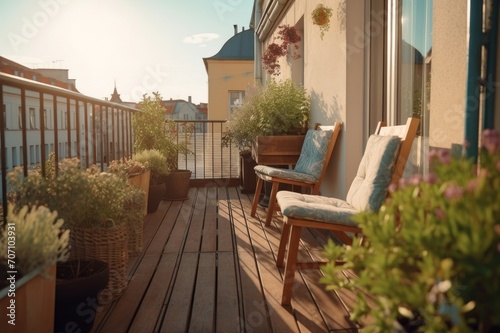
(308, 172)
(383, 163)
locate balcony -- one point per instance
(39, 119)
(207, 266)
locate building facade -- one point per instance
(382, 60)
(230, 72)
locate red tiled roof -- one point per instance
(11, 67)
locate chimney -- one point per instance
(189, 99)
(235, 28)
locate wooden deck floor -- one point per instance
(207, 266)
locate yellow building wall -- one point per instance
(225, 76)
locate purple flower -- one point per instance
(392, 188)
(430, 178)
(453, 191)
(498, 166)
(472, 185)
(415, 179)
(491, 141)
(439, 213)
(444, 156)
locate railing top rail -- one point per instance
(199, 121)
(19, 82)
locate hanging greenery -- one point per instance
(321, 17)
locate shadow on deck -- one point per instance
(207, 266)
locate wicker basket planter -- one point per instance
(135, 228)
(109, 245)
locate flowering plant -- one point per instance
(431, 257)
(84, 198)
(39, 238)
(321, 17)
(126, 168)
(289, 37)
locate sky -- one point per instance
(142, 45)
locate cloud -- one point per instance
(200, 38)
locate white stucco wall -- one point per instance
(335, 95)
(449, 73)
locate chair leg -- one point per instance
(256, 196)
(290, 265)
(272, 203)
(282, 247)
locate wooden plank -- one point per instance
(193, 240)
(178, 306)
(224, 225)
(164, 231)
(182, 221)
(125, 307)
(255, 315)
(152, 303)
(203, 310)
(209, 241)
(305, 312)
(228, 312)
(327, 301)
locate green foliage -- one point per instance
(280, 108)
(85, 198)
(126, 168)
(38, 236)
(155, 161)
(432, 250)
(152, 130)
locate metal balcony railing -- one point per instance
(39, 119)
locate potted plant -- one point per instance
(284, 44)
(78, 286)
(268, 127)
(431, 259)
(321, 17)
(156, 162)
(92, 206)
(152, 130)
(267, 117)
(136, 174)
(31, 243)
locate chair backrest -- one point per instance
(314, 159)
(383, 163)
(336, 128)
(407, 134)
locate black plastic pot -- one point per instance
(155, 196)
(78, 285)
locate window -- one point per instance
(5, 117)
(235, 100)
(32, 154)
(408, 57)
(32, 118)
(46, 118)
(14, 157)
(20, 118)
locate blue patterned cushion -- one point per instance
(369, 188)
(315, 207)
(313, 153)
(267, 173)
